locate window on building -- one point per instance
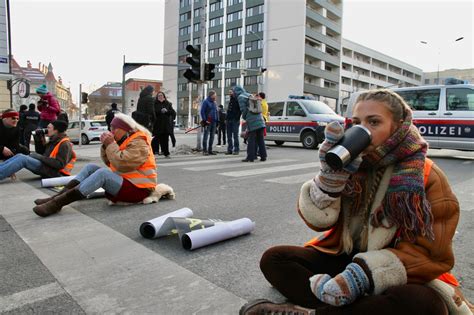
(215, 6)
(183, 44)
(232, 2)
(255, 10)
(253, 45)
(254, 28)
(197, 12)
(185, 16)
(216, 52)
(250, 80)
(229, 82)
(234, 32)
(216, 21)
(233, 64)
(235, 16)
(215, 37)
(215, 84)
(233, 49)
(184, 3)
(254, 62)
(182, 87)
(330, 84)
(196, 27)
(196, 41)
(185, 30)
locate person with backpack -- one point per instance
(388, 219)
(251, 108)
(232, 124)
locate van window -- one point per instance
(98, 123)
(276, 109)
(315, 107)
(460, 99)
(73, 125)
(292, 107)
(421, 99)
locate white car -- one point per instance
(91, 130)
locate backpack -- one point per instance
(255, 104)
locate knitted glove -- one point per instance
(329, 180)
(343, 289)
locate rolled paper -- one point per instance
(155, 228)
(219, 232)
(56, 181)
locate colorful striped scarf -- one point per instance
(405, 204)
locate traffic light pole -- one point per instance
(201, 86)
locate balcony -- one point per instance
(336, 10)
(316, 72)
(317, 54)
(317, 90)
(310, 32)
(313, 15)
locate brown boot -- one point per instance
(262, 306)
(55, 205)
(73, 183)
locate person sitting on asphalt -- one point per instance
(10, 135)
(130, 175)
(388, 219)
(57, 160)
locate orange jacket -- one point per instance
(145, 175)
(70, 165)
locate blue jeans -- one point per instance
(93, 177)
(256, 142)
(209, 132)
(233, 136)
(18, 162)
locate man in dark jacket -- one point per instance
(21, 123)
(32, 118)
(209, 121)
(109, 116)
(233, 123)
(163, 129)
(57, 160)
(145, 106)
(10, 135)
(221, 128)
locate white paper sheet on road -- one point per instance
(155, 228)
(56, 181)
(219, 232)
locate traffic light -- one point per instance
(208, 71)
(84, 98)
(193, 74)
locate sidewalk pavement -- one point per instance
(72, 263)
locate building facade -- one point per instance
(436, 77)
(364, 68)
(300, 51)
(5, 72)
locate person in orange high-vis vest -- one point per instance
(130, 175)
(387, 221)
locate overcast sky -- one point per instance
(85, 40)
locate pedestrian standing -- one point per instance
(163, 125)
(110, 114)
(255, 127)
(22, 123)
(221, 130)
(32, 118)
(233, 124)
(145, 106)
(173, 124)
(209, 121)
(49, 109)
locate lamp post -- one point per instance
(263, 69)
(439, 51)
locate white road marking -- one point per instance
(20, 299)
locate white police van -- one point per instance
(299, 119)
(444, 114)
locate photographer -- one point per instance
(49, 108)
(57, 160)
(10, 135)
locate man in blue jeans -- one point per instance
(209, 120)
(233, 123)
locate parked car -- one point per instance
(299, 119)
(91, 130)
(444, 114)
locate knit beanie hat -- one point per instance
(118, 123)
(42, 89)
(60, 125)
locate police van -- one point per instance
(299, 119)
(444, 114)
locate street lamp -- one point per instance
(263, 69)
(439, 51)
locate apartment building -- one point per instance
(364, 68)
(439, 77)
(298, 42)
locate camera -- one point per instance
(39, 132)
(356, 139)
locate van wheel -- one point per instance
(309, 140)
(279, 143)
(84, 139)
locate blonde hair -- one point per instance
(394, 102)
(132, 123)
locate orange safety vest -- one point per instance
(445, 277)
(69, 166)
(145, 176)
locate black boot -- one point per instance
(73, 183)
(55, 205)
